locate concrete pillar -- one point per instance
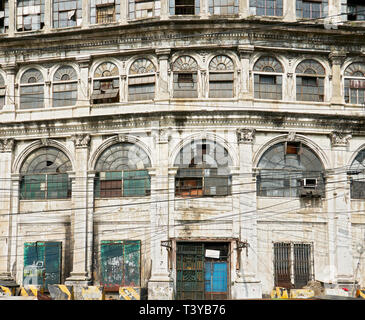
(246, 87)
(244, 6)
(160, 285)
(289, 11)
(81, 207)
(48, 21)
(164, 11)
(162, 92)
(12, 19)
(6, 148)
(124, 12)
(247, 285)
(85, 14)
(334, 12)
(336, 94)
(341, 219)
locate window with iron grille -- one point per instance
(139, 9)
(2, 91)
(354, 80)
(30, 15)
(312, 8)
(44, 175)
(268, 78)
(223, 7)
(105, 84)
(283, 168)
(104, 11)
(64, 87)
(221, 77)
(66, 13)
(293, 264)
(310, 76)
(356, 174)
(184, 7)
(4, 16)
(355, 10)
(122, 172)
(141, 80)
(31, 90)
(266, 7)
(203, 170)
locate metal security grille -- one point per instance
(293, 264)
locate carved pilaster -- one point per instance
(6, 145)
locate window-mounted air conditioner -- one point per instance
(309, 188)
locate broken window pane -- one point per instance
(266, 7)
(105, 84)
(30, 15)
(67, 13)
(4, 16)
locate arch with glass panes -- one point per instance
(122, 171)
(31, 89)
(64, 86)
(356, 173)
(203, 169)
(185, 77)
(354, 83)
(221, 77)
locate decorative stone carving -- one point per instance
(165, 135)
(340, 138)
(245, 135)
(81, 140)
(6, 145)
(122, 137)
(45, 142)
(291, 136)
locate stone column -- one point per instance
(336, 94)
(160, 285)
(12, 18)
(247, 285)
(6, 148)
(85, 14)
(289, 12)
(83, 95)
(80, 219)
(48, 21)
(340, 219)
(164, 11)
(163, 74)
(246, 88)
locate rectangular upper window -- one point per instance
(223, 7)
(312, 9)
(139, 9)
(4, 16)
(30, 15)
(355, 10)
(66, 13)
(266, 7)
(184, 7)
(104, 11)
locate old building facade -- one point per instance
(193, 149)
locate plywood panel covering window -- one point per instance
(354, 80)
(64, 87)
(312, 8)
(30, 15)
(266, 7)
(104, 11)
(310, 76)
(221, 77)
(66, 13)
(141, 80)
(31, 90)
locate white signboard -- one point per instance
(212, 253)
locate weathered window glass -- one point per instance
(104, 11)
(64, 87)
(290, 169)
(30, 15)
(223, 7)
(141, 80)
(310, 81)
(182, 7)
(355, 10)
(312, 9)
(4, 16)
(355, 83)
(139, 9)
(42, 263)
(266, 7)
(203, 170)
(120, 264)
(105, 84)
(357, 174)
(221, 77)
(185, 72)
(67, 13)
(122, 172)
(31, 90)
(44, 175)
(2, 92)
(268, 78)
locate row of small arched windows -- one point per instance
(267, 73)
(286, 169)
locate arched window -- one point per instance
(44, 175)
(122, 172)
(204, 170)
(66, 13)
(31, 89)
(141, 80)
(357, 174)
(105, 84)
(104, 11)
(290, 169)
(2, 91)
(310, 81)
(185, 72)
(221, 77)
(64, 87)
(266, 7)
(355, 83)
(268, 79)
(139, 9)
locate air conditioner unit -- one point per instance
(309, 188)
(309, 183)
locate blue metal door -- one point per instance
(216, 280)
